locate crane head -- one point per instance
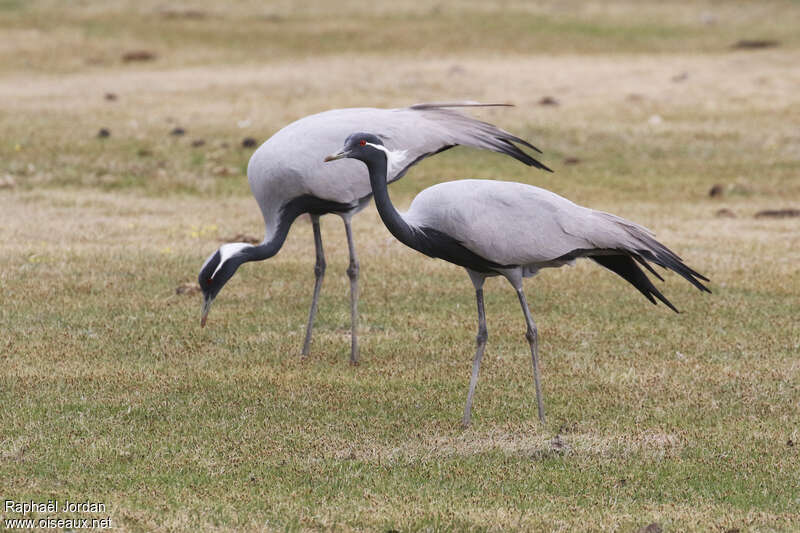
(217, 270)
(367, 146)
(357, 146)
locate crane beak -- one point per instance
(204, 315)
(334, 157)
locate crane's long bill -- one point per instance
(334, 157)
(204, 315)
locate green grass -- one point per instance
(112, 393)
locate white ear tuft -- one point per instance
(226, 251)
(394, 158)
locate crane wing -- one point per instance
(428, 129)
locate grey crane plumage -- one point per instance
(511, 229)
(288, 178)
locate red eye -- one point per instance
(362, 142)
(208, 281)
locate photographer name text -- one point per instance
(53, 506)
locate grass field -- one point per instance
(112, 393)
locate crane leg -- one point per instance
(319, 273)
(533, 339)
(352, 273)
(480, 341)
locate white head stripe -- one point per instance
(226, 251)
(394, 159)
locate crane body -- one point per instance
(511, 229)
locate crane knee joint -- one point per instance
(319, 268)
(352, 270)
(531, 335)
(482, 337)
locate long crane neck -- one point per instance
(272, 244)
(377, 166)
(265, 250)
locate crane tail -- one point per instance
(664, 258)
(638, 242)
(645, 264)
(625, 267)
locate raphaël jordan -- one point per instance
(53, 506)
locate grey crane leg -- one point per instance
(480, 340)
(352, 273)
(533, 339)
(319, 272)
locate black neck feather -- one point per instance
(377, 163)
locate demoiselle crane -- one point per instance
(510, 229)
(288, 178)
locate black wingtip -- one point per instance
(525, 143)
(669, 304)
(703, 288)
(656, 292)
(644, 263)
(514, 151)
(665, 258)
(625, 267)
